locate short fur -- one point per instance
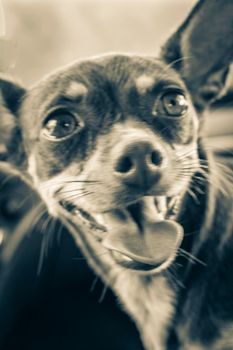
(188, 305)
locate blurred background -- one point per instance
(37, 36)
(43, 35)
(57, 306)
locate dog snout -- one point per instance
(139, 163)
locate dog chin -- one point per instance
(143, 237)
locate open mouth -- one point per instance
(143, 236)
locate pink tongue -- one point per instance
(154, 244)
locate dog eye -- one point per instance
(61, 124)
(171, 104)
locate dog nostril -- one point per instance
(124, 165)
(156, 158)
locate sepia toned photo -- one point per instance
(116, 175)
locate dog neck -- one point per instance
(209, 239)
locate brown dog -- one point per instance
(114, 146)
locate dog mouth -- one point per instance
(143, 236)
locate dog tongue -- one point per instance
(153, 243)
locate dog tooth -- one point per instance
(162, 206)
(150, 209)
(172, 202)
(156, 204)
(99, 218)
(177, 204)
(173, 207)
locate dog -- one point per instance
(45, 275)
(15, 201)
(114, 145)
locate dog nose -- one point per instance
(139, 163)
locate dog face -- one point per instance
(112, 144)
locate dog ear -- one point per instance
(11, 144)
(202, 50)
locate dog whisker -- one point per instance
(185, 154)
(194, 196)
(81, 181)
(76, 196)
(186, 170)
(94, 283)
(40, 211)
(62, 183)
(191, 233)
(103, 294)
(172, 275)
(47, 231)
(74, 190)
(174, 62)
(199, 190)
(191, 257)
(216, 181)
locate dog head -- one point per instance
(112, 143)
